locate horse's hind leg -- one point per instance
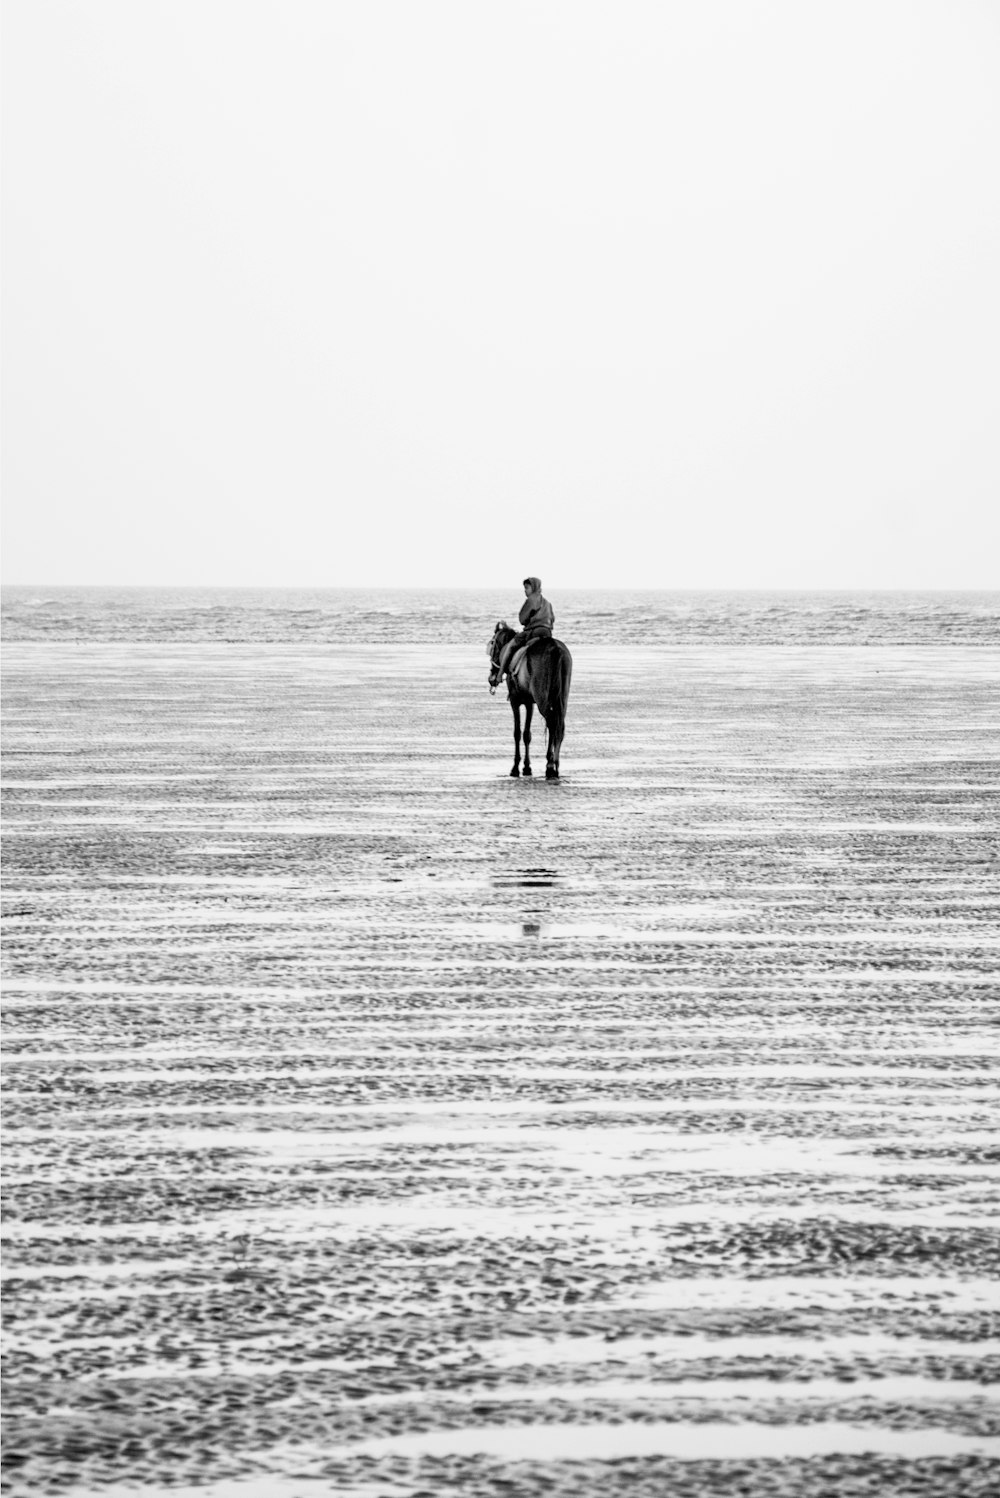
(515, 768)
(552, 756)
(528, 711)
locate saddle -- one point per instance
(520, 655)
(517, 659)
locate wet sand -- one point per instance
(379, 1124)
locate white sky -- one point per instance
(689, 294)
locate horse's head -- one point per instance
(501, 635)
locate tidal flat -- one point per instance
(379, 1124)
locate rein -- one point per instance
(493, 651)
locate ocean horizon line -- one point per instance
(568, 587)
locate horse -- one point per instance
(542, 680)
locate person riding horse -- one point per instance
(540, 679)
(536, 617)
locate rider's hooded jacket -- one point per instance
(536, 616)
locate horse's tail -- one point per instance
(560, 664)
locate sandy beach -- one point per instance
(378, 1124)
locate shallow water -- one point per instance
(687, 1442)
(371, 1114)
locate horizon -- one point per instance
(465, 588)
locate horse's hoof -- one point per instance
(515, 772)
(551, 774)
(527, 770)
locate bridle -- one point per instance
(493, 649)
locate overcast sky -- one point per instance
(681, 294)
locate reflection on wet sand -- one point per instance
(377, 1119)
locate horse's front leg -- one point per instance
(515, 768)
(528, 711)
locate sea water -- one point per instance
(464, 615)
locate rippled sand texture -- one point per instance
(378, 1119)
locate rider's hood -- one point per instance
(536, 584)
